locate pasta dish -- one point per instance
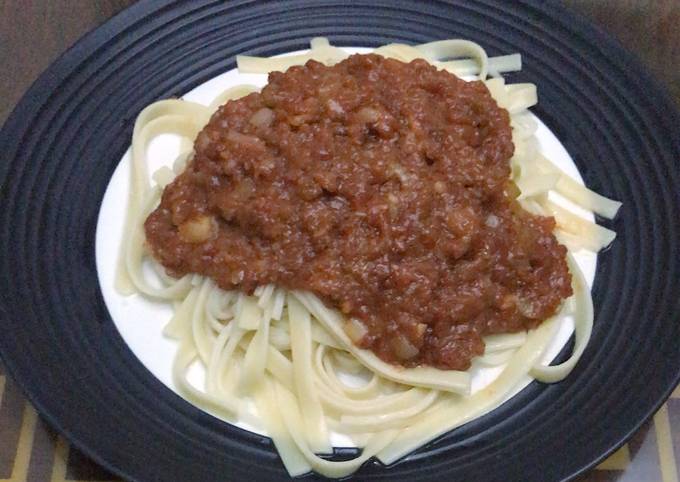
(346, 246)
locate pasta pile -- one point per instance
(281, 360)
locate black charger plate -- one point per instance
(62, 143)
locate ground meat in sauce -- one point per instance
(383, 188)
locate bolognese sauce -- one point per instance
(383, 188)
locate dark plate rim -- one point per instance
(31, 103)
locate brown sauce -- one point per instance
(383, 188)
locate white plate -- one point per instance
(141, 321)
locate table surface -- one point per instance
(34, 32)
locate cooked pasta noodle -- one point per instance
(289, 355)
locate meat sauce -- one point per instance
(380, 186)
